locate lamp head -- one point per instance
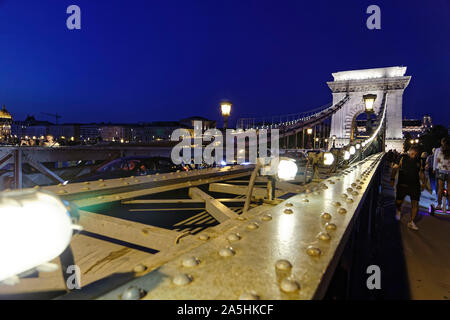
(369, 100)
(225, 107)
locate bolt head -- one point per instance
(289, 285)
(182, 279)
(283, 265)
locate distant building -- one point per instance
(143, 133)
(89, 132)
(415, 127)
(5, 124)
(30, 128)
(189, 122)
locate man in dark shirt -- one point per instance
(411, 180)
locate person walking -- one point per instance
(411, 179)
(443, 170)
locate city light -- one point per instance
(358, 146)
(287, 169)
(352, 150)
(225, 107)
(328, 158)
(309, 131)
(346, 155)
(35, 228)
(369, 100)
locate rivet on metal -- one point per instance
(323, 236)
(313, 251)
(283, 265)
(140, 268)
(288, 204)
(325, 216)
(289, 285)
(344, 196)
(62, 191)
(266, 217)
(133, 293)
(330, 226)
(288, 211)
(349, 189)
(349, 200)
(227, 252)
(182, 279)
(234, 237)
(336, 204)
(190, 262)
(203, 237)
(252, 226)
(305, 200)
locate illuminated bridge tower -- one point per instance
(358, 83)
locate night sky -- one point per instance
(146, 60)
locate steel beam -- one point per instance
(18, 169)
(132, 232)
(43, 169)
(218, 210)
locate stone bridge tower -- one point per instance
(358, 83)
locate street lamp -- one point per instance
(369, 100)
(412, 141)
(309, 133)
(417, 141)
(225, 107)
(352, 150)
(334, 141)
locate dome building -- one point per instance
(5, 124)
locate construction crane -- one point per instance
(57, 116)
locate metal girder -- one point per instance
(218, 210)
(89, 193)
(179, 201)
(240, 190)
(18, 169)
(4, 159)
(132, 232)
(43, 169)
(287, 252)
(54, 154)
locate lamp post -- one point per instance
(225, 107)
(369, 100)
(334, 141)
(316, 143)
(309, 132)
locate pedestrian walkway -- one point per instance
(426, 253)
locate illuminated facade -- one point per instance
(5, 124)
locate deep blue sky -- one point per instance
(146, 60)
